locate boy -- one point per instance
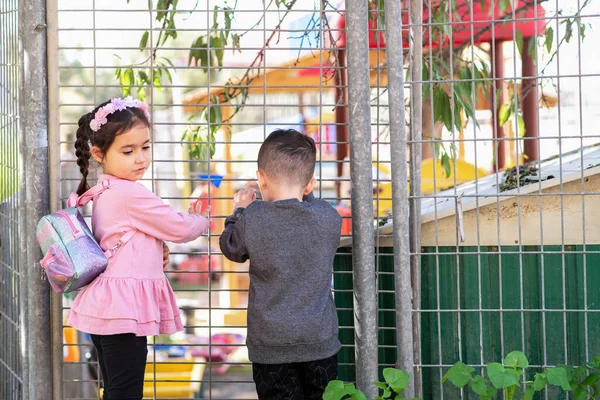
(290, 238)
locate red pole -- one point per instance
(529, 95)
(498, 75)
(341, 115)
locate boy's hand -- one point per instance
(166, 257)
(243, 198)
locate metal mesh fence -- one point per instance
(11, 373)
(502, 261)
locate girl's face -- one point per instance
(129, 155)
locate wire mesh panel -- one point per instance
(501, 114)
(219, 77)
(11, 373)
(507, 258)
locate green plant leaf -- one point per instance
(591, 379)
(539, 382)
(141, 93)
(143, 77)
(520, 126)
(529, 392)
(478, 385)
(516, 359)
(387, 393)
(502, 377)
(519, 41)
(579, 371)
(445, 161)
(459, 374)
(380, 385)
(334, 390)
(358, 395)
(144, 40)
(558, 377)
(441, 107)
(504, 114)
(581, 393)
(396, 378)
(549, 38)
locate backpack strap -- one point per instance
(80, 201)
(124, 239)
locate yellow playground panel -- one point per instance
(432, 181)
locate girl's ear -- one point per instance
(97, 154)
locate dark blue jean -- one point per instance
(122, 360)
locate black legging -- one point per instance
(294, 381)
(122, 360)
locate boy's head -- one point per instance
(287, 158)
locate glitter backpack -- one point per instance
(72, 256)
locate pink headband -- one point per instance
(117, 104)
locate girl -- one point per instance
(132, 299)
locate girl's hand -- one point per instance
(196, 207)
(166, 258)
(243, 198)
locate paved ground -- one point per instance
(235, 384)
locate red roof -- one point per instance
(468, 26)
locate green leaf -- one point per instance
(558, 377)
(217, 46)
(387, 393)
(531, 50)
(519, 41)
(143, 77)
(549, 38)
(581, 393)
(503, 5)
(126, 81)
(446, 164)
(141, 93)
(502, 377)
(334, 391)
(380, 385)
(441, 107)
(459, 374)
(144, 40)
(539, 382)
(529, 392)
(160, 10)
(516, 359)
(520, 125)
(215, 18)
(228, 18)
(579, 371)
(591, 379)
(504, 114)
(478, 385)
(397, 379)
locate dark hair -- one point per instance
(288, 155)
(117, 123)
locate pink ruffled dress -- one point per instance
(133, 295)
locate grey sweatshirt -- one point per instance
(291, 246)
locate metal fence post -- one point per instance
(416, 127)
(365, 290)
(400, 207)
(34, 195)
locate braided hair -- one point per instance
(117, 123)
